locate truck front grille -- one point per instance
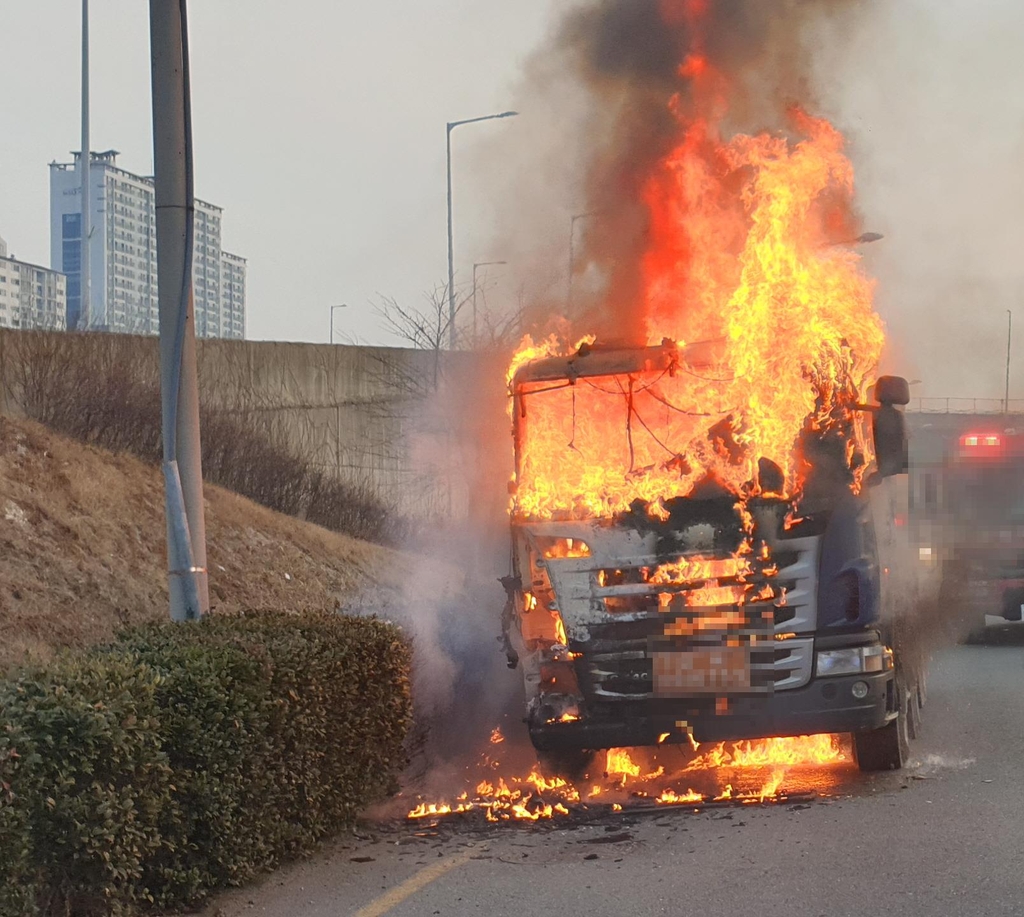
(627, 671)
(621, 622)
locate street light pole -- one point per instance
(174, 196)
(85, 164)
(1009, 331)
(451, 252)
(475, 266)
(344, 305)
(572, 255)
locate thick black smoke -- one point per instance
(630, 64)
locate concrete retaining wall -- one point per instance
(375, 415)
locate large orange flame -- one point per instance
(741, 253)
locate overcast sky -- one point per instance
(320, 128)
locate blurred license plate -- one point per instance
(706, 671)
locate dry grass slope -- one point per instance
(82, 549)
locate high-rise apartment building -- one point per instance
(123, 287)
(232, 295)
(30, 296)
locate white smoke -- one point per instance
(931, 97)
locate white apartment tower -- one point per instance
(232, 295)
(123, 288)
(30, 296)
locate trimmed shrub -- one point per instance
(214, 703)
(17, 889)
(190, 757)
(89, 783)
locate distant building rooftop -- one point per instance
(107, 157)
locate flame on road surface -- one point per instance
(762, 771)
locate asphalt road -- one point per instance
(944, 837)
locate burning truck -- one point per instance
(709, 518)
(715, 615)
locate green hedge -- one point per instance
(190, 757)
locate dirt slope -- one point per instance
(82, 548)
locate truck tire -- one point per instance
(888, 748)
(570, 764)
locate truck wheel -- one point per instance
(888, 748)
(570, 764)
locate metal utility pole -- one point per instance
(85, 166)
(451, 254)
(175, 230)
(475, 266)
(1009, 332)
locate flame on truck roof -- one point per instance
(613, 359)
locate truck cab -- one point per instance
(700, 610)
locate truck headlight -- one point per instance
(853, 661)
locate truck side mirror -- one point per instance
(889, 426)
(892, 390)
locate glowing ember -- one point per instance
(771, 788)
(694, 569)
(558, 548)
(671, 797)
(785, 752)
(560, 636)
(618, 762)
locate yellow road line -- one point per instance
(413, 884)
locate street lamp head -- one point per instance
(451, 254)
(862, 239)
(343, 305)
(503, 114)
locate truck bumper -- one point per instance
(824, 705)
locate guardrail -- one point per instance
(966, 406)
